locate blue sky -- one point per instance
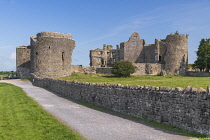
(93, 23)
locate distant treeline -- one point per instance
(7, 72)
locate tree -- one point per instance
(123, 68)
(203, 55)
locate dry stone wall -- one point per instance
(188, 109)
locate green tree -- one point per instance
(203, 55)
(123, 68)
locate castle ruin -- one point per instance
(169, 56)
(49, 55)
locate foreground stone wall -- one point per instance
(188, 109)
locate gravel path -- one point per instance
(90, 123)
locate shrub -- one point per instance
(123, 68)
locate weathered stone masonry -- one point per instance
(188, 109)
(170, 55)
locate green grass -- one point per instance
(152, 80)
(150, 123)
(21, 118)
(25, 79)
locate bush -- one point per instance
(123, 68)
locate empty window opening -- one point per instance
(36, 53)
(99, 59)
(49, 47)
(100, 52)
(135, 43)
(135, 37)
(62, 56)
(159, 58)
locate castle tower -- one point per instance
(23, 61)
(176, 57)
(51, 54)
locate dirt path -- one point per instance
(90, 123)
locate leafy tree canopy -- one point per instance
(203, 55)
(123, 68)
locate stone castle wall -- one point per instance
(23, 61)
(82, 69)
(106, 70)
(133, 48)
(176, 58)
(52, 54)
(147, 68)
(141, 69)
(171, 52)
(188, 109)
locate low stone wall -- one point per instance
(188, 109)
(142, 69)
(198, 73)
(81, 69)
(105, 70)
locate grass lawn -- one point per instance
(152, 80)
(23, 119)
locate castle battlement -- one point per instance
(54, 34)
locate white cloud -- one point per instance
(12, 56)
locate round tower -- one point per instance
(176, 57)
(52, 54)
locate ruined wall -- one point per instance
(96, 57)
(171, 52)
(147, 68)
(149, 53)
(77, 69)
(188, 109)
(82, 69)
(161, 50)
(133, 48)
(23, 61)
(52, 54)
(176, 58)
(107, 70)
(141, 69)
(103, 57)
